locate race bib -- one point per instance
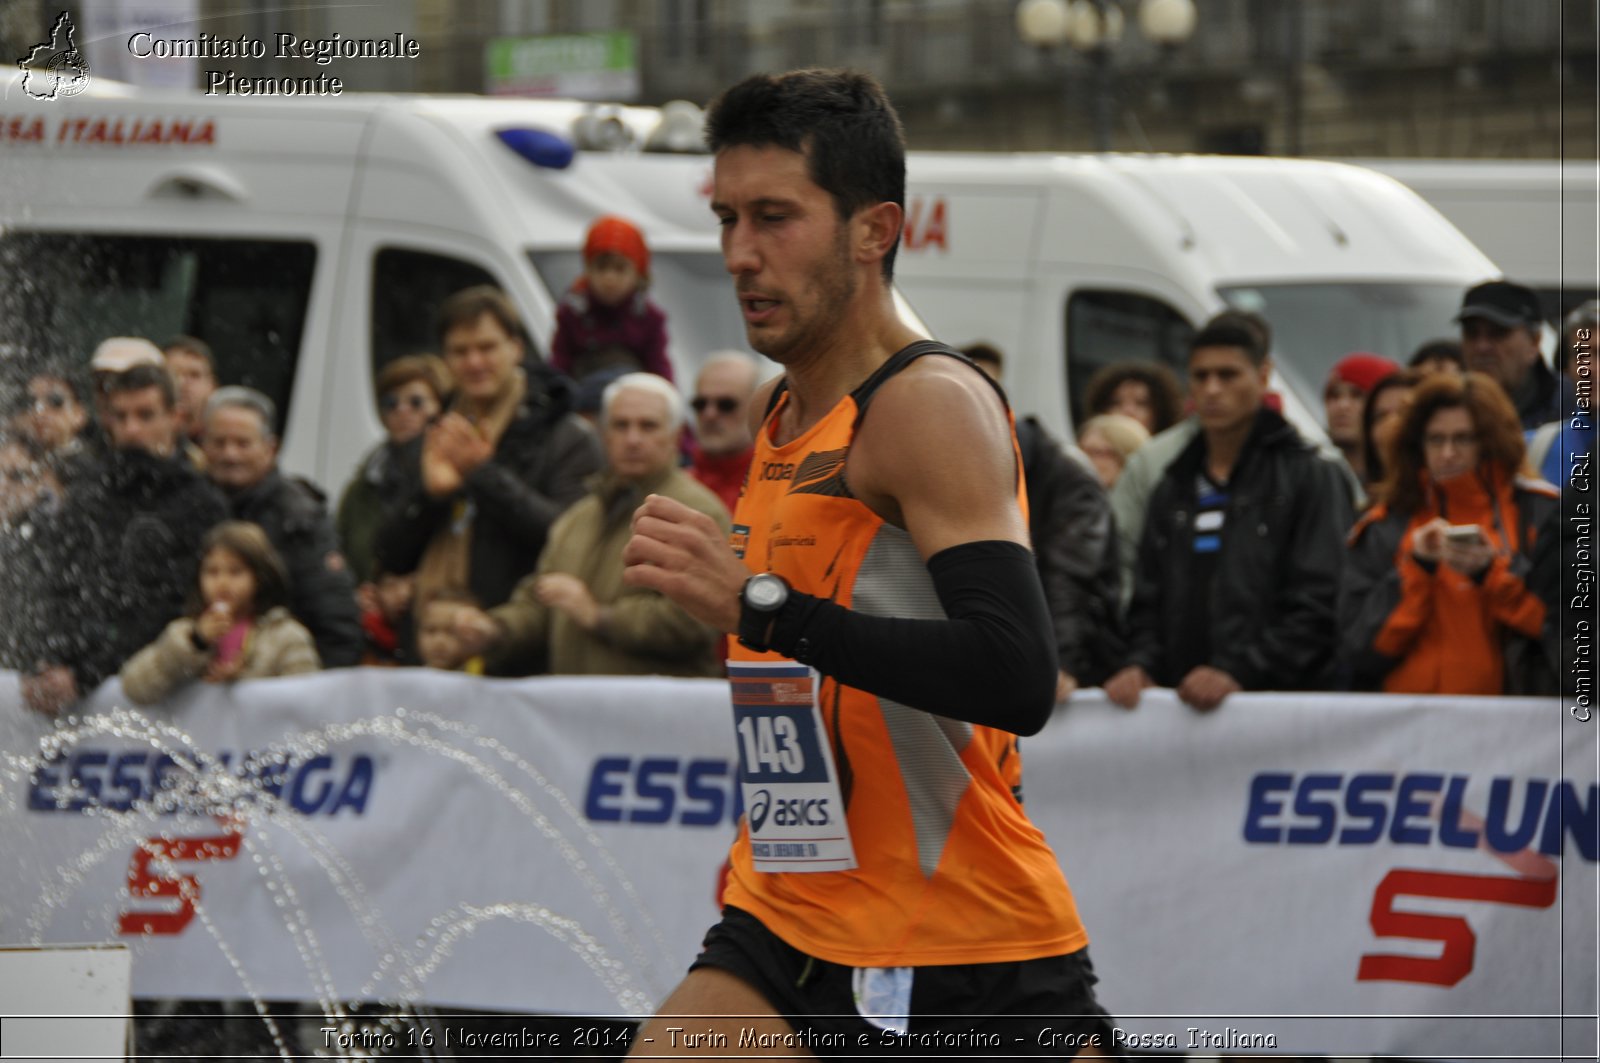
(793, 807)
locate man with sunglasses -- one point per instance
(56, 422)
(721, 404)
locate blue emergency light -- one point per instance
(539, 146)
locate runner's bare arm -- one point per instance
(934, 456)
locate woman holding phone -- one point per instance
(1452, 582)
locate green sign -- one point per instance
(594, 66)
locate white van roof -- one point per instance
(1228, 220)
(1537, 218)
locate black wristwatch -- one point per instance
(764, 595)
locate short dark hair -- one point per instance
(985, 352)
(840, 120)
(249, 541)
(1449, 350)
(465, 307)
(140, 377)
(192, 345)
(70, 378)
(1235, 328)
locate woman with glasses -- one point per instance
(410, 393)
(1452, 582)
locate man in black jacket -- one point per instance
(485, 482)
(1074, 546)
(1237, 581)
(241, 448)
(118, 561)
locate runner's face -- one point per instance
(786, 248)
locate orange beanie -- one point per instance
(614, 235)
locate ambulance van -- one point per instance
(310, 241)
(1068, 263)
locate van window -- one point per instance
(407, 288)
(1314, 325)
(1106, 327)
(691, 287)
(246, 298)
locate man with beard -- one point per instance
(123, 550)
(880, 580)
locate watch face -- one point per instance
(765, 592)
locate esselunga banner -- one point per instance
(1304, 874)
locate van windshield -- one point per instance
(246, 298)
(1314, 325)
(691, 287)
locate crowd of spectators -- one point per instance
(1197, 542)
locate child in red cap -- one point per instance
(605, 321)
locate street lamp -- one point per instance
(1095, 28)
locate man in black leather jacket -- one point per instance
(1237, 581)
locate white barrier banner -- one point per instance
(1307, 874)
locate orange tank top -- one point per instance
(949, 867)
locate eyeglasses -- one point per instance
(392, 403)
(1458, 441)
(723, 403)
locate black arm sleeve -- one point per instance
(992, 662)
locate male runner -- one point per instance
(883, 496)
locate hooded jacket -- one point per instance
(1274, 595)
(537, 470)
(1415, 628)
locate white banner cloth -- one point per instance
(1296, 873)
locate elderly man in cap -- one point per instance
(1500, 336)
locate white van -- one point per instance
(1539, 219)
(1069, 263)
(309, 241)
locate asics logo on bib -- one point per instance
(788, 811)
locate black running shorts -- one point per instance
(1043, 1007)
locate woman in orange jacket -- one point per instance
(1452, 582)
